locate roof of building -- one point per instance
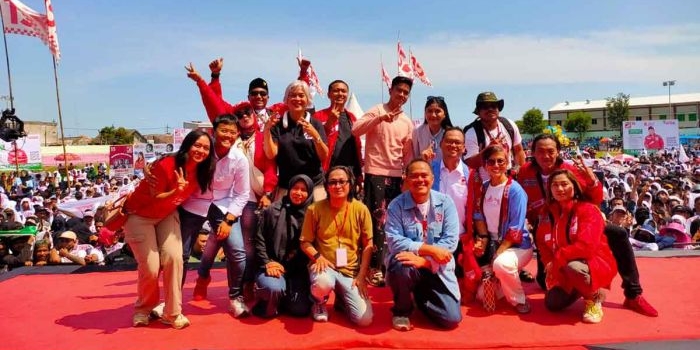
(634, 101)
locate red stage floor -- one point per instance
(93, 311)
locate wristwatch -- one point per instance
(317, 255)
(229, 221)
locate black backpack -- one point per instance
(481, 136)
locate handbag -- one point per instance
(115, 214)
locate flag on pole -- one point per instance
(22, 20)
(418, 71)
(385, 77)
(53, 36)
(404, 64)
(314, 83)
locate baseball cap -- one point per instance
(619, 207)
(69, 235)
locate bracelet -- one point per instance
(317, 255)
(215, 75)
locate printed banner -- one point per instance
(26, 154)
(650, 135)
(121, 161)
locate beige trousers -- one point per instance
(157, 244)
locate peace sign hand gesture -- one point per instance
(180, 180)
(192, 72)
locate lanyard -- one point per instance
(340, 227)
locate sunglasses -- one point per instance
(258, 93)
(498, 161)
(244, 113)
(439, 98)
(332, 183)
(488, 106)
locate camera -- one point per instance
(11, 127)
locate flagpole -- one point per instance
(381, 76)
(60, 118)
(410, 100)
(7, 59)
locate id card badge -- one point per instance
(341, 257)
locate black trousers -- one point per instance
(379, 192)
(624, 257)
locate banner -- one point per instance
(121, 161)
(650, 135)
(27, 154)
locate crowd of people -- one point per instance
(442, 215)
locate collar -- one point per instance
(459, 168)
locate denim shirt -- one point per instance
(404, 232)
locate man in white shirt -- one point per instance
(490, 128)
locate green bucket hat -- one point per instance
(486, 97)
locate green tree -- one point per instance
(520, 125)
(110, 135)
(578, 122)
(533, 122)
(617, 110)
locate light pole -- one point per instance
(670, 83)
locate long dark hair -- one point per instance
(447, 122)
(205, 169)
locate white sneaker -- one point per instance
(651, 246)
(157, 311)
(178, 322)
(320, 313)
(238, 307)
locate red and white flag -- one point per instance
(314, 83)
(22, 20)
(385, 77)
(418, 71)
(404, 64)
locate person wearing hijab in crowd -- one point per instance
(574, 250)
(282, 282)
(427, 137)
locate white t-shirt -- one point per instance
(471, 142)
(454, 185)
(492, 208)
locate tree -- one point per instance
(533, 122)
(578, 122)
(617, 110)
(110, 135)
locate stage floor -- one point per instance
(93, 311)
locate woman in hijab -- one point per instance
(282, 282)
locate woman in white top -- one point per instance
(427, 137)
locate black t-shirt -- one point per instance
(345, 152)
(296, 152)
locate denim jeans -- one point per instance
(233, 247)
(289, 294)
(358, 309)
(249, 227)
(431, 295)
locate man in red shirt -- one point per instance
(653, 140)
(533, 178)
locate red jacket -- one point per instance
(216, 106)
(332, 135)
(528, 179)
(585, 241)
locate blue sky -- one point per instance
(123, 61)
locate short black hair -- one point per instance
(226, 119)
(402, 80)
(336, 82)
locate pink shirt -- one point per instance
(388, 146)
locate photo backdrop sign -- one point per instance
(121, 161)
(650, 135)
(25, 153)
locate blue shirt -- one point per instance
(404, 232)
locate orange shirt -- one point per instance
(142, 203)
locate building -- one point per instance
(683, 107)
(47, 131)
(197, 124)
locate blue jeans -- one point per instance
(358, 309)
(233, 247)
(431, 295)
(289, 294)
(250, 220)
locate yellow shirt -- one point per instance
(328, 229)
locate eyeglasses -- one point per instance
(488, 106)
(439, 98)
(258, 93)
(497, 161)
(332, 183)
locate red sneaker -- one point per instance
(640, 305)
(200, 289)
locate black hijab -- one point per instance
(290, 217)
